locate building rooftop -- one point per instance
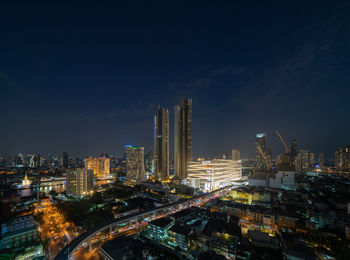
(162, 222)
(180, 229)
(182, 214)
(122, 248)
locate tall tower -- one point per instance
(182, 137)
(135, 166)
(65, 160)
(321, 159)
(161, 144)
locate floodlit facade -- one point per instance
(212, 175)
(161, 144)
(182, 137)
(79, 182)
(135, 166)
(100, 166)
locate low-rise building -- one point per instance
(18, 232)
(158, 229)
(178, 236)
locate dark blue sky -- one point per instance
(86, 76)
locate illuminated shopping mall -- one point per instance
(214, 174)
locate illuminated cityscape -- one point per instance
(175, 130)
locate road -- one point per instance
(84, 254)
(138, 219)
(55, 229)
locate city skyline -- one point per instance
(82, 87)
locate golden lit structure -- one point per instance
(100, 166)
(212, 175)
(26, 182)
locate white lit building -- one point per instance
(214, 174)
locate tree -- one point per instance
(53, 193)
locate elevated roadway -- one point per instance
(135, 218)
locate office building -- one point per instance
(178, 236)
(214, 174)
(304, 161)
(158, 229)
(161, 144)
(65, 160)
(19, 160)
(182, 137)
(342, 159)
(100, 166)
(263, 154)
(236, 155)
(284, 162)
(135, 167)
(79, 182)
(293, 151)
(321, 160)
(149, 162)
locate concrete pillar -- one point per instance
(110, 231)
(90, 245)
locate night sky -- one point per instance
(86, 77)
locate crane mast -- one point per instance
(263, 155)
(285, 146)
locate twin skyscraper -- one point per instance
(182, 141)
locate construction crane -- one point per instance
(285, 146)
(263, 155)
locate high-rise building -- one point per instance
(135, 167)
(293, 150)
(34, 161)
(284, 162)
(65, 160)
(342, 159)
(161, 144)
(19, 160)
(236, 155)
(100, 166)
(321, 160)
(79, 182)
(149, 162)
(182, 137)
(304, 161)
(261, 147)
(214, 174)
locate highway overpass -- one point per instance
(149, 215)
